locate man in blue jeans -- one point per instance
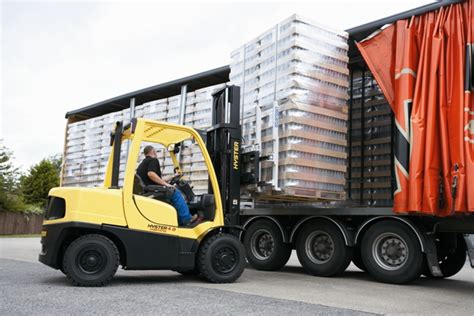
(150, 172)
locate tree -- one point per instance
(8, 173)
(10, 198)
(39, 180)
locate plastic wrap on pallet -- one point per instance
(87, 146)
(294, 79)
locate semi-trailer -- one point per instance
(373, 228)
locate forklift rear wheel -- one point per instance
(392, 253)
(265, 247)
(91, 260)
(221, 258)
(451, 261)
(321, 249)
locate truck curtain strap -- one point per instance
(424, 66)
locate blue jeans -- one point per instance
(184, 216)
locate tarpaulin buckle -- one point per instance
(454, 187)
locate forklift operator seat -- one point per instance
(138, 185)
(158, 192)
(206, 203)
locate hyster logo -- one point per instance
(236, 156)
(161, 228)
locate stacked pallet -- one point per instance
(87, 150)
(87, 145)
(370, 175)
(294, 81)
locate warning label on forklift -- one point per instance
(161, 228)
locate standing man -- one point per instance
(150, 172)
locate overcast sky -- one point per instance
(60, 56)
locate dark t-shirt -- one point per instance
(148, 164)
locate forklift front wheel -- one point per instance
(91, 260)
(221, 259)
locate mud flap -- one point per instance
(470, 248)
(432, 255)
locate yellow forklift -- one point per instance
(88, 232)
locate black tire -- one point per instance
(452, 262)
(391, 252)
(221, 259)
(264, 246)
(357, 259)
(321, 249)
(91, 260)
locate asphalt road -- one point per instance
(28, 287)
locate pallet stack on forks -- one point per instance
(294, 82)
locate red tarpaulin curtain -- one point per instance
(425, 68)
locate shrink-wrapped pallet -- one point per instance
(294, 81)
(87, 145)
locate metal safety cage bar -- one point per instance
(116, 141)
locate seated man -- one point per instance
(150, 172)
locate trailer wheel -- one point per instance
(91, 260)
(391, 253)
(221, 259)
(264, 246)
(452, 261)
(321, 249)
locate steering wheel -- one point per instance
(175, 179)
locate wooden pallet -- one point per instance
(300, 194)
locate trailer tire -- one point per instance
(264, 246)
(450, 264)
(321, 249)
(221, 258)
(91, 260)
(392, 253)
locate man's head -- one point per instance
(149, 151)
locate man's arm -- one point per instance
(156, 178)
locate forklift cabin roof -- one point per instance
(221, 74)
(162, 133)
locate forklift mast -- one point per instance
(223, 144)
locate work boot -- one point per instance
(191, 221)
(197, 220)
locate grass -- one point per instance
(20, 236)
